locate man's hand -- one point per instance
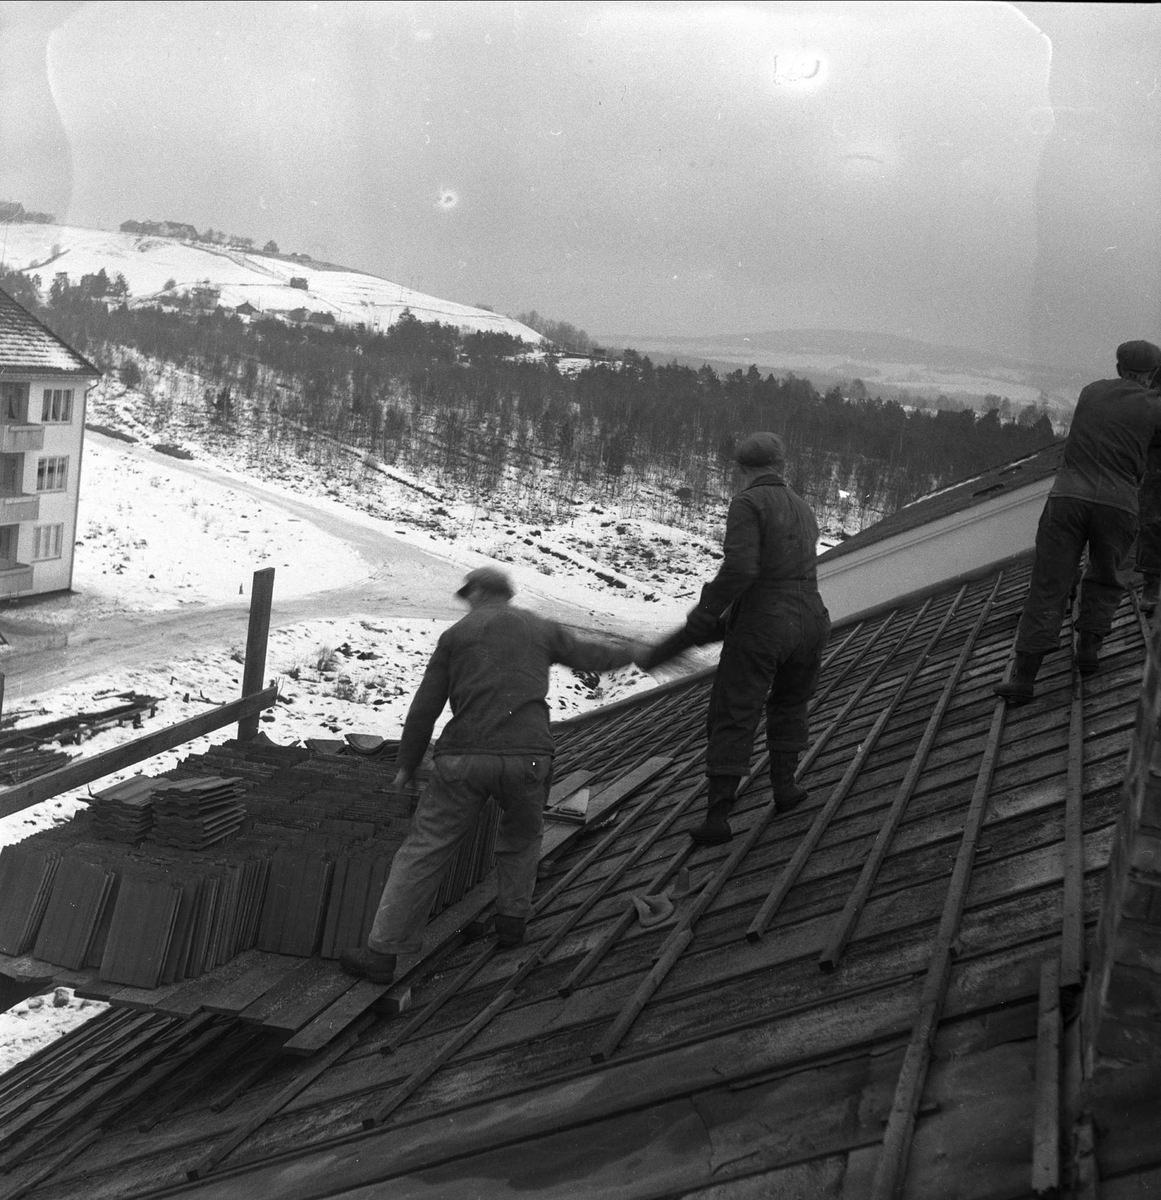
(703, 626)
(402, 780)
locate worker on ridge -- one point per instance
(764, 606)
(493, 667)
(1093, 502)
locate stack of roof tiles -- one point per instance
(192, 814)
(124, 812)
(246, 847)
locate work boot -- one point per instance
(1088, 652)
(368, 964)
(787, 793)
(715, 829)
(509, 931)
(1020, 687)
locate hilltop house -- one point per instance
(937, 979)
(42, 422)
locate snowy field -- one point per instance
(156, 538)
(149, 264)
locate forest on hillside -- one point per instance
(477, 409)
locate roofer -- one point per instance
(1093, 502)
(493, 666)
(764, 606)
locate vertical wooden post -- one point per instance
(254, 668)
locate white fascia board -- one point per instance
(943, 549)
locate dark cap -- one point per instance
(1138, 356)
(760, 450)
(488, 579)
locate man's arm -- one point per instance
(426, 706)
(590, 655)
(741, 558)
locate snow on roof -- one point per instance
(28, 347)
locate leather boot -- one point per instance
(1021, 686)
(365, 963)
(787, 793)
(1088, 652)
(715, 829)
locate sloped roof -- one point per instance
(957, 497)
(711, 1055)
(29, 347)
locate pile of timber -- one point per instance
(26, 753)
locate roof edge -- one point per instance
(91, 368)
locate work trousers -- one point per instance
(449, 807)
(1149, 525)
(770, 659)
(1066, 526)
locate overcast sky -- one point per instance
(979, 174)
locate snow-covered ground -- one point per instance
(150, 263)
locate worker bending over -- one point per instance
(493, 667)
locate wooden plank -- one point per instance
(289, 990)
(844, 924)
(310, 1000)
(1046, 1126)
(635, 779)
(640, 998)
(889, 1173)
(1072, 922)
(299, 1083)
(331, 1022)
(194, 993)
(433, 1064)
(233, 996)
(257, 636)
(568, 786)
(85, 770)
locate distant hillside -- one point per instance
(887, 363)
(161, 269)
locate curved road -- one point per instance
(404, 581)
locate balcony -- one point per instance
(14, 509)
(16, 439)
(14, 579)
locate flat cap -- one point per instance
(760, 450)
(489, 579)
(1138, 356)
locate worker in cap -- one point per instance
(1093, 503)
(492, 667)
(763, 606)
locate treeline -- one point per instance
(480, 408)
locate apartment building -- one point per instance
(43, 383)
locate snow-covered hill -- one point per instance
(149, 263)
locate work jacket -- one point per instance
(768, 552)
(1104, 457)
(492, 666)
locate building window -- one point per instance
(8, 536)
(47, 541)
(14, 402)
(52, 474)
(57, 405)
